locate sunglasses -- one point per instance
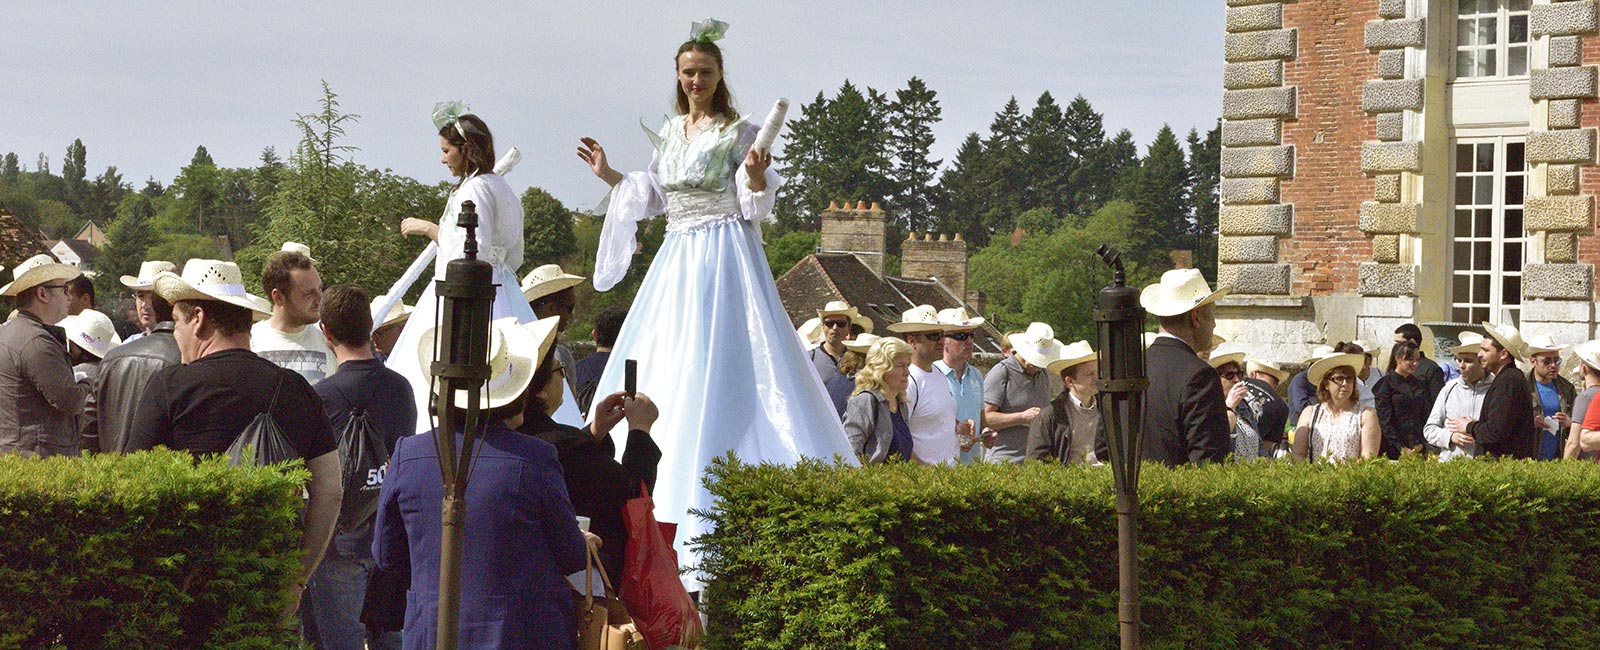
(933, 336)
(959, 336)
(836, 323)
(1231, 375)
(1549, 361)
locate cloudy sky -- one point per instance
(144, 83)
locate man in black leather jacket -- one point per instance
(125, 371)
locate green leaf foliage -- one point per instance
(1415, 554)
(148, 550)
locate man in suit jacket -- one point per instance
(1185, 412)
(1505, 425)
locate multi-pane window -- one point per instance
(1487, 239)
(1491, 38)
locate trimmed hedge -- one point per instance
(1373, 554)
(148, 550)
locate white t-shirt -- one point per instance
(304, 352)
(933, 418)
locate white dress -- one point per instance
(1337, 437)
(499, 238)
(714, 345)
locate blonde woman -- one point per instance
(1339, 426)
(874, 419)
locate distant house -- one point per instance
(850, 266)
(76, 252)
(90, 232)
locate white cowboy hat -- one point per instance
(1322, 366)
(1261, 365)
(1319, 353)
(863, 321)
(297, 247)
(1179, 291)
(92, 331)
(956, 319)
(1072, 355)
(546, 280)
(1225, 354)
(515, 351)
(397, 314)
(1037, 345)
(838, 308)
(1588, 353)
(1366, 346)
(922, 318)
(1470, 343)
(1541, 343)
(1509, 338)
(210, 280)
(147, 274)
(861, 343)
(810, 331)
(38, 270)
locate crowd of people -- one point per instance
(1208, 400)
(332, 369)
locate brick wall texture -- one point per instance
(1589, 175)
(1328, 186)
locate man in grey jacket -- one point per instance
(1460, 397)
(37, 387)
(127, 368)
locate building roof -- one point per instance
(86, 252)
(822, 277)
(18, 242)
(91, 232)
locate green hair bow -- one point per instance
(447, 113)
(708, 30)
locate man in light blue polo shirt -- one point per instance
(966, 382)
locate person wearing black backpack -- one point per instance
(370, 407)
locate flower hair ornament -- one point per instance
(708, 30)
(448, 113)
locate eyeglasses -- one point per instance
(959, 336)
(1231, 375)
(1548, 361)
(933, 336)
(836, 323)
(1342, 379)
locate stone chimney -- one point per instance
(857, 229)
(941, 257)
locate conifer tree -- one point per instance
(1001, 177)
(10, 171)
(1205, 169)
(1161, 199)
(912, 115)
(1049, 160)
(960, 193)
(128, 237)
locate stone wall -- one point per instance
(856, 229)
(944, 259)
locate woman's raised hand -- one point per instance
(755, 166)
(594, 156)
(413, 226)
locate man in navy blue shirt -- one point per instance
(337, 588)
(606, 327)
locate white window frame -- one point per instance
(1497, 307)
(1502, 46)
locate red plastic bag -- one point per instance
(660, 606)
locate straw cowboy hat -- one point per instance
(1072, 355)
(1226, 354)
(956, 319)
(810, 331)
(861, 343)
(1509, 338)
(1319, 353)
(92, 331)
(1269, 367)
(1322, 366)
(838, 308)
(515, 351)
(397, 314)
(546, 280)
(1037, 345)
(297, 247)
(1470, 343)
(922, 318)
(38, 270)
(1541, 343)
(1179, 291)
(863, 321)
(210, 280)
(147, 275)
(1588, 353)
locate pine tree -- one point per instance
(959, 193)
(1160, 197)
(1048, 163)
(153, 188)
(128, 238)
(1120, 165)
(103, 197)
(1205, 170)
(547, 229)
(838, 150)
(74, 169)
(10, 172)
(269, 173)
(1001, 180)
(1085, 135)
(801, 156)
(912, 115)
(200, 188)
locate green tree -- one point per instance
(911, 118)
(838, 149)
(153, 188)
(1160, 194)
(1205, 173)
(786, 251)
(104, 194)
(547, 229)
(128, 238)
(10, 171)
(1002, 180)
(1048, 164)
(960, 192)
(199, 186)
(1088, 186)
(74, 169)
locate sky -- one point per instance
(142, 84)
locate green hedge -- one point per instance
(1378, 554)
(149, 550)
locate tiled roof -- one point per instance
(822, 277)
(83, 249)
(18, 242)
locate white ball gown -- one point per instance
(714, 345)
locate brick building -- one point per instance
(849, 266)
(1387, 161)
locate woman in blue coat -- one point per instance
(521, 535)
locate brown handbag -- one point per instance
(603, 623)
